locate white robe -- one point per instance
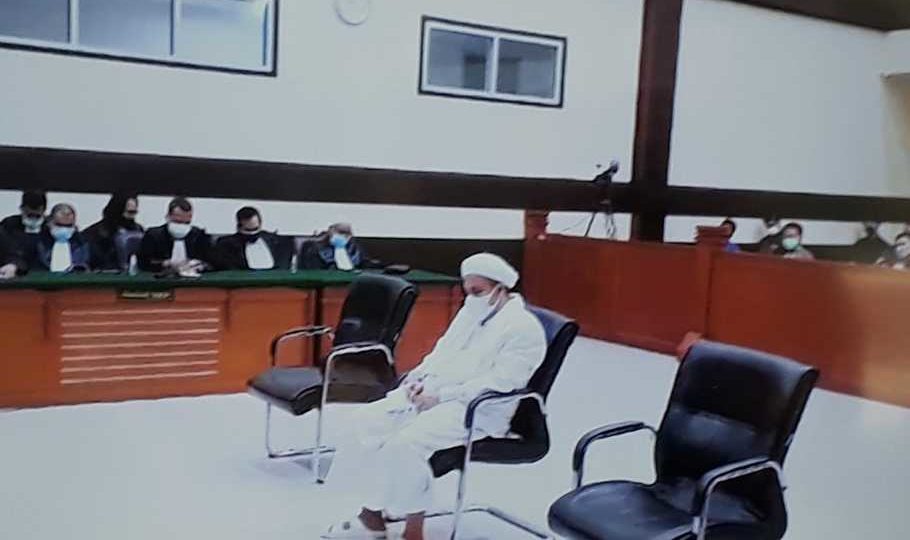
(470, 359)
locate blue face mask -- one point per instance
(339, 240)
(62, 234)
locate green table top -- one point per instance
(304, 279)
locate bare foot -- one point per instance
(372, 519)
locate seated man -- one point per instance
(25, 227)
(334, 249)
(176, 246)
(11, 261)
(251, 248)
(898, 256)
(110, 236)
(791, 243)
(494, 343)
(60, 247)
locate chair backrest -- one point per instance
(728, 404)
(529, 421)
(376, 309)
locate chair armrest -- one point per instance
(604, 432)
(499, 397)
(711, 479)
(295, 333)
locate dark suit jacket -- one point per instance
(232, 251)
(26, 243)
(319, 255)
(105, 253)
(80, 254)
(10, 253)
(157, 245)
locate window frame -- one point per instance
(70, 48)
(428, 23)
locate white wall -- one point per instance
(897, 60)
(345, 96)
(767, 100)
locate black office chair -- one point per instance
(372, 319)
(718, 455)
(529, 424)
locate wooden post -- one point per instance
(709, 241)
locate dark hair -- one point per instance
(179, 202)
(247, 212)
(794, 225)
(731, 223)
(34, 199)
(112, 215)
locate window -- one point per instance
(224, 35)
(479, 62)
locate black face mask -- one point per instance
(250, 236)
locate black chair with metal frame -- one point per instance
(729, 423)
(372, 318)
(531, 440)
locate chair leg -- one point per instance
(313, 453)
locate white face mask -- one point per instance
(179, 230)
(902, 251)
(478, 307)
(790, 243)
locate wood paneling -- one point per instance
(848, 320)
(876, 14)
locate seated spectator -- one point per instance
(731, 226)
(177, 245)
(334, 249)
(251, 248)
(791, 243)
(870, 247)
(11, 261)
(109, 237)
(770, 241)
(60, 246)
(898, 256)
(25, 227)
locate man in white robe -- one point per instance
(494, 343)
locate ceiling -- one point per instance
(878, 14)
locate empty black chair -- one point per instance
(719, 451)
(531, 440)
(372, 319)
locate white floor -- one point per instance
(193, 468)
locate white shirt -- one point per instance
(471, 359)
(342, 259)
(61, 257)
(178, 253)
(259, 256)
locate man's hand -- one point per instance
(425, 402)
(8, 271)
(413, 390)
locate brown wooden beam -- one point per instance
(654, 119)
(884, 15)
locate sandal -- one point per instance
(353, 529)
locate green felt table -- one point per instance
(309, 279)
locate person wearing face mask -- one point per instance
(493, 343)
(61, 247)
(251, 248)
(898, 256)
(110, 237)
(870, 247)
(770, 235)
(26, 227)
(177, 246)
(335, 249)
(791, 243)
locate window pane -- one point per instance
(46, 20)
(526, 69)
(459, 60)
(226, 32)
(136, 26)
